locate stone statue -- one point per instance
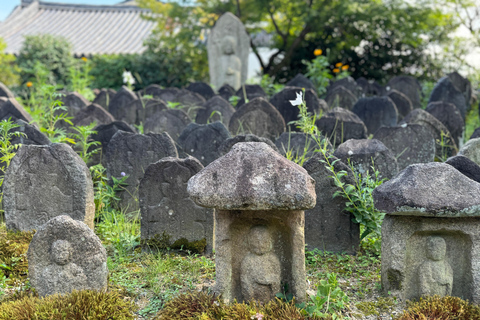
(62, 275)
(435, 274)
(231, 64)
(228, 48)
(260, 269)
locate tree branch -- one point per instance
(289, 53)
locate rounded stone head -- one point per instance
(61, 252)
(259, 240)
(228, 45)
(436, 248)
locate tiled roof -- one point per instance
(92, 29)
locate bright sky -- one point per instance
(7, 6)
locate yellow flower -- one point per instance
(317, 52)
(338, 64)
(84, 59)
(29, 84)
(336, 70)
(345, 67)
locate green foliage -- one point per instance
(472, 122)
(359, 198)
(319, 73)
(7, 149)
(329, 299)
(181, 27)
(49, 112)
(437, 308)
(52, 51)
(80, 78)
(269, 86)
(85, 304)
(13, 256)
(8, 69)
(154, 66)
(86, 146)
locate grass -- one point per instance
(472, 122)
(153, 279)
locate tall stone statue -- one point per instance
(228, 48)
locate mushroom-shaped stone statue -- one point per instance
(259, 222)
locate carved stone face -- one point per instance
(61, 252)
(259, 240)
(228, 45)
(436, 248)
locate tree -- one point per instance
(53, 52)
(377, 38)
(8, 68)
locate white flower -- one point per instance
(128, 78)
(299, 99)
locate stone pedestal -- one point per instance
(259, 223)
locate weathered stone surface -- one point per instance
(43, 182)
(92, 113)
(12, 109)
(409, 86)
(215, 109)
(445, 91)
(296, 143)
(104, 97)
(349, 84)
(203, 141)
(257, 117)
(471, 150)
(189, 99)
(340, 125)
(376, 112)
(365, 152)
(172, 121)
(281, 101)
(409, 143)
(370, 87)
(340, 97)
(166, 207)
(402, 103)
(463, 85)
(425, 255)
(74, 102)
(259, 195)
(131, 154)
(252, 176)
(429, 189)
(5, 92)
(476, 133)
(167, 94)
(300, 81)
(104, 134)
(449, 115)
(202, 89)
(121, 105)
(146, 108)
(229, 143)
(226, 91)
(66, 255)
(31, 135)
(445, 145)
(228, 48)
(466, 166)
(272, 239)
(252, 91)
(328, 226)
